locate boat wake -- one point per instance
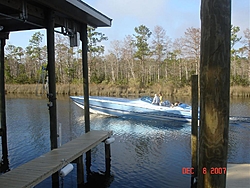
(239, 119)
(143, 109)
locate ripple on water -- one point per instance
(145, 153)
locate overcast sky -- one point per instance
(175, 16)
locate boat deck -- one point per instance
(37, 170)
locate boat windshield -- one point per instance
(147, 99)
(166, 103)
(150, 100)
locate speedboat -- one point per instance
(138, 108)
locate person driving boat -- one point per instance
(156, 100)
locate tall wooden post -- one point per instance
(194, 135)
(52, 88)
(84, 40)
(80, 171)
(107, 159)
(3, 128)
(214, 92)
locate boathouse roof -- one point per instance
(18, 15)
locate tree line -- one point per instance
(139, 60)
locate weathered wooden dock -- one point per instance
(238, 175)
(37, 170)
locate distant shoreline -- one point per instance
(116, 91)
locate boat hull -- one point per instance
(126, 108)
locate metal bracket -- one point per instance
(24, 14)
(50, 97)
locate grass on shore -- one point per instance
(118, 91)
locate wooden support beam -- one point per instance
(20, 5)
(214, 92)
(5, 161)
(52, 80)
(107, 159)
(194, 135)
(52, 88)
(84, 40)
(80, 171)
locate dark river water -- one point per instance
(144, 154)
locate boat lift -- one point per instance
(72, 16)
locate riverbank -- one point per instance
(117, 91)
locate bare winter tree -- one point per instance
(178, 49)
(61, 52)
(246, 49)
(160, 46)
(192, 46)
(116, 50)
(128, 52)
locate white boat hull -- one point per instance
(121, 107)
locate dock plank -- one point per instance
(37, 170)
(238, 175)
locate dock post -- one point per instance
(107, 159)
(194, 131)
(3, 128)
(84, 39)
(214, 92)
(80, 171)
(85, 77)
(52, 88)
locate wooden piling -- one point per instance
(194, 131)
(214, 92)
(80, 171)
(84, 39)
(107, 159)
(52, 88)
(5, 162)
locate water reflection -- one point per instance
(146, 153)
(239, 143)
(98, 179)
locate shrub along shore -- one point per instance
(117, 91)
